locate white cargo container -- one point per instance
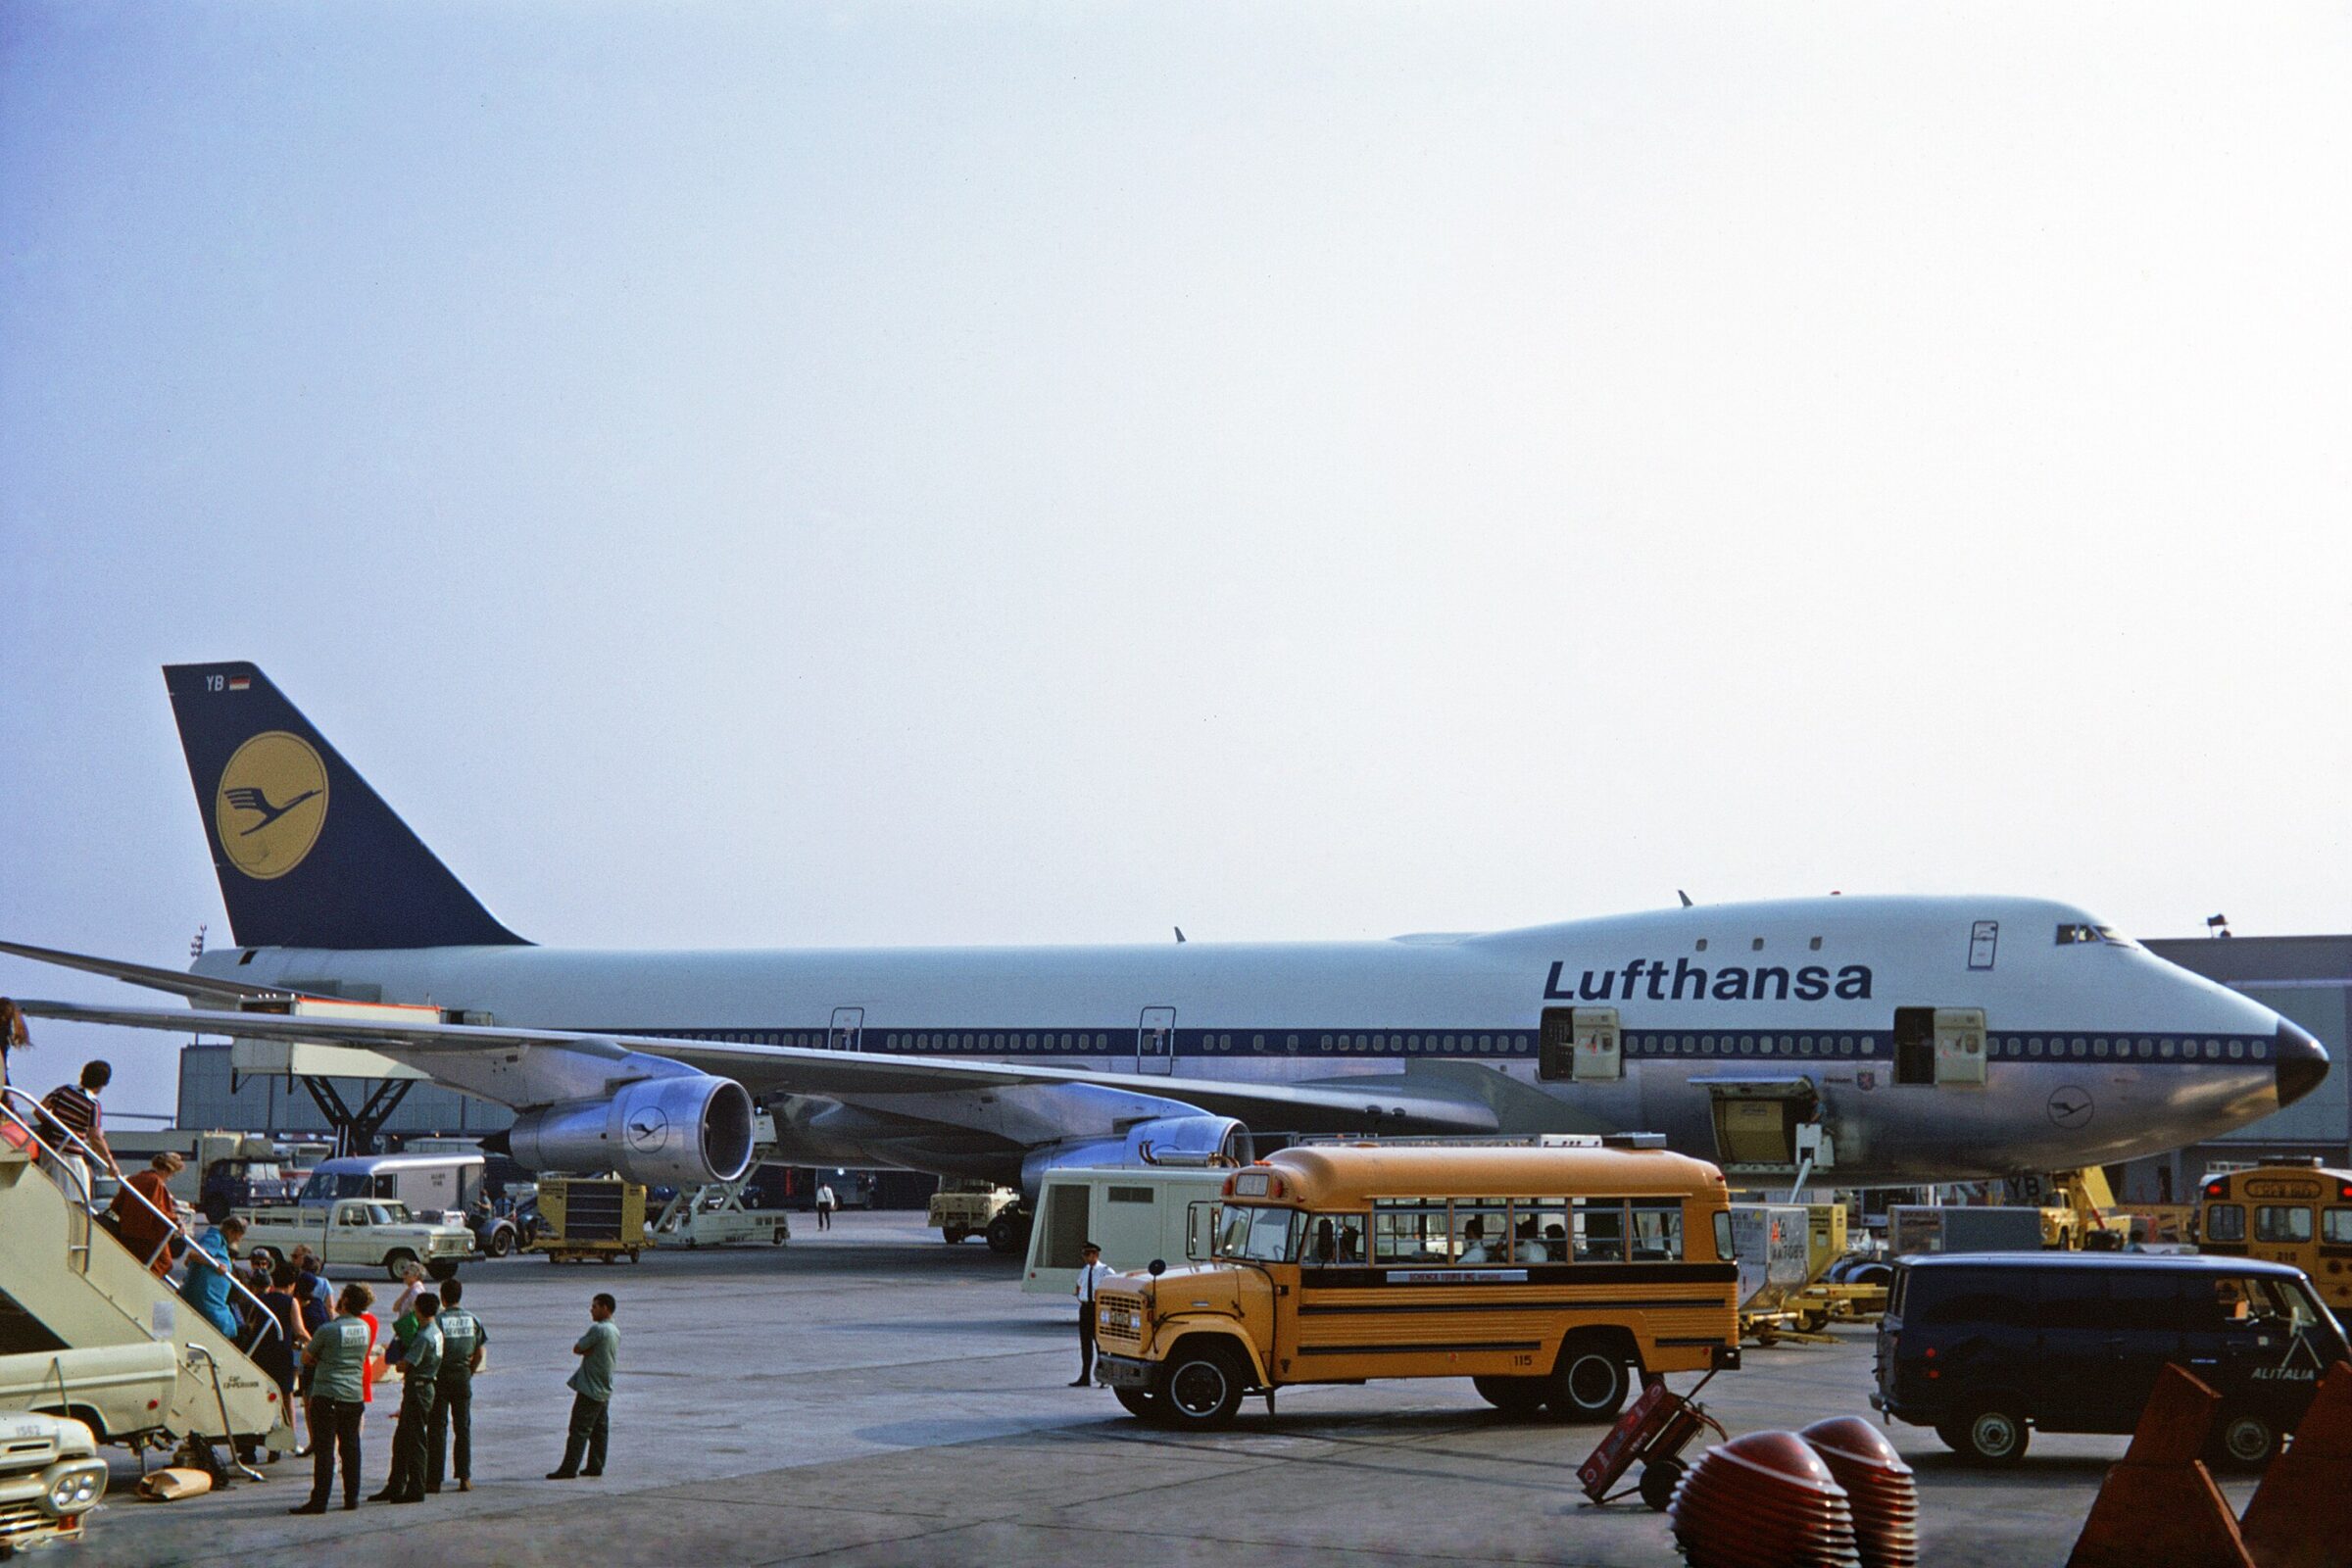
(1135, 1214)
(1775, 1254)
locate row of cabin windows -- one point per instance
(1098, 1043)
(1469, 1231)
(2012, 1046)
(2277, 1223)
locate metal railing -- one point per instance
(76, 1168)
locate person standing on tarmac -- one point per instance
(599, 1351)
(451, 1434)
(337, 1358)
(420, 1373)
(1089, 1276)
(824, 1206)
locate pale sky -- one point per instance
(757, 475)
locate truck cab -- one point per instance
(50, 1479)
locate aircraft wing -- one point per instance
(1394, 1103)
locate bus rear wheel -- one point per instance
(1512, 1396)
(1590, 1381)
(1199, 1387)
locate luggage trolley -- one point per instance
(1654, 1429)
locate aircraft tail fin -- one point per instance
(308, 855)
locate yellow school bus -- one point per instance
(1550, 1277)
(2298, 1213)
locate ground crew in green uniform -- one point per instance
(420, 1385)
(337, 1358)
(599, 1351)
(451, 1434)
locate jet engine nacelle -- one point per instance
(679, 1131)
(1160, 1141)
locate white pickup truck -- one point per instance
(359, 1233)
(50, 1479)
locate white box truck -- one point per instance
(1135, 1214)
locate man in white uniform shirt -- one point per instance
(1091, 1274)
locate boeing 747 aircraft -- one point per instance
(1871, 1039)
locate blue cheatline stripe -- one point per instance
(1698, 1047)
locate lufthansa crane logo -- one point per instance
(647, 1129)
(271, 806)
(2069, 1106)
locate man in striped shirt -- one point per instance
(77, 1110)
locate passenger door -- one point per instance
(849, 1029)
(1156, 1041)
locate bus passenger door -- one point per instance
(1156, 1041)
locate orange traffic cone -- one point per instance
(2159, 1505)
(2301, 1515)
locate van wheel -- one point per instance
(2243, 1441)
(1589, 1381)
(1991, 1433)
(1200, 1388)
(1513, 1396)
(400, 1257)
(1141, 1403)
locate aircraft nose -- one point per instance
(2302, 1061)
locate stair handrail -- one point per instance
(79, 1168)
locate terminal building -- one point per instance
(2308, 979)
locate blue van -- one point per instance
(1985, 1346)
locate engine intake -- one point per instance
(681, 1131)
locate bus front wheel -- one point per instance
(1590, 1381)
(1141, 1403)
(1199, 1387)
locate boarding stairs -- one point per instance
(66, 1284)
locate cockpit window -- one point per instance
(2068, 935)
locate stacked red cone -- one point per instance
(1880, 1489)
(1763, 1500)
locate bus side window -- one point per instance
(2225, 1222)
(1599, 1230)
(1333, 1241)
(1538, 1230)
(1657, 1233)
(1408, 1230)
(1482, 1230)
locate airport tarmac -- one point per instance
(873, 1397)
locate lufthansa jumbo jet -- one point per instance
(1871, 1041)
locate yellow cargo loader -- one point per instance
(592, 1216)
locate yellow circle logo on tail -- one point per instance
(272, 804)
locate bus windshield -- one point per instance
(1257, 1235)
